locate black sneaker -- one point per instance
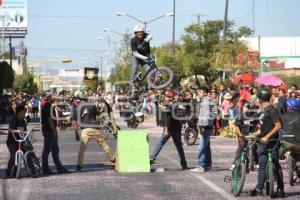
(62, 171)
(152, 162)
(78, 168)
(47, 172)
(256, 192)
(280, 193)
(185, 168)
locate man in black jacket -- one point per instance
(50, 134)
(171, 128)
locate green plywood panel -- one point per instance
(133, 151)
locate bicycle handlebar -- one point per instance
(24, 132)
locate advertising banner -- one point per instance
(90, 74)
(15, 14)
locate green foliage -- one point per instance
(165, 57)
(25, 83)
(94, 84)
(204, 52)
(290, 80)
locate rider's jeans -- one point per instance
(135, 62)
(91, 133)
(177, 141)
(204, 157)
(50, 145)
(262, 161)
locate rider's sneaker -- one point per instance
(232, 167)
(256, 192)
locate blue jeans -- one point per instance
(50, 145)
(177, 141)
(204, 157)
(262, 161)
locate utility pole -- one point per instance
(3, 38)
(225, 20)
(253, 17)
(173, 39)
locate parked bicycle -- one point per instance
(292, 154)
(26, 155)
(157, 77)
(242, 167)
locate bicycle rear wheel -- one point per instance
(238, 178)
(270, 179)
(160, 77)
(19, 165)
(291, 170)
(32, 163)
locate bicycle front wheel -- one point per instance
(190, 136)
(238, 178)
(160, 77)
(270, 179)
(19, 165)
(32, 163)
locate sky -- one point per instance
(68, 29)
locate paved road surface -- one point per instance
(99, 180)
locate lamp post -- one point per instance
(173, 35)
(141, 21)
(115, 47)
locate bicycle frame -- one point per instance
(153, 66)
(20, 141)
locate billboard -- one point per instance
(15, 17)
(90, 74)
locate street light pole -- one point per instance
(144, 22)
(225, 20)
(173, 38)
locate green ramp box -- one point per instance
(132, 153)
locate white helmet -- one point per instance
(138, 28)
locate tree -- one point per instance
(203, 47)
(25, 83)
(124, 53)
(165, 57)
(94, 84)
(6, 76)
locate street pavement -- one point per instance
(99, 180)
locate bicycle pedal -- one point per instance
(227, 179)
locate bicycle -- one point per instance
(157, 77)
(241, 168)
(292, 154)
(271, 170)
(26, 155)
(190, 132)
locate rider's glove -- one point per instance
(150, 61)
